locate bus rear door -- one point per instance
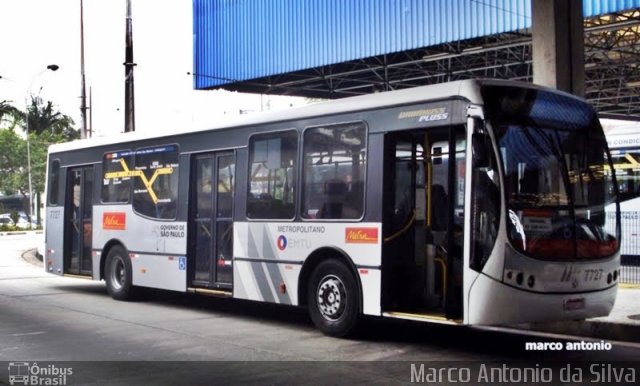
(78, 221)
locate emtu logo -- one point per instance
(281, 242)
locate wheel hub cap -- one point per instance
(331, 297)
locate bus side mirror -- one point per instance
(481, 146)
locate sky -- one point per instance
(36, 33)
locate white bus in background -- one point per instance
(624, 144)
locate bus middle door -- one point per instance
(211, 219)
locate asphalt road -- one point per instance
(183, 337)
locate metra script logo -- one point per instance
(361, 235)
(114, 220)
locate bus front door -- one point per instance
(211, 224)
(78, 224)
(423, 214)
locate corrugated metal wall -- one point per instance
(600, 7)
(237, 40)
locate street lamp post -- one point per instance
(52, 67)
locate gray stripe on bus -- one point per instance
(268, 245)
(252, 277)
(252, 249)
(261, 282)
(276, 279)
(258, 276)
(238, 287)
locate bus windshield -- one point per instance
(554, 156)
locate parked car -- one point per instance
(23, 223)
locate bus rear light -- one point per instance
(609, 278)
(615, 275)
(282, 287)
(49, 262)
(519, 278)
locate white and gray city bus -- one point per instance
(472, 202)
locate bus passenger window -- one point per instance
(334, 170)
(116, 184)
(272, 176)
(54, 182)
(156, 181)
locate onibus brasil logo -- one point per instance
(24, 373)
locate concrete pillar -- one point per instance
(558, 45)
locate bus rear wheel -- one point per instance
(333, 299)
(118, 274)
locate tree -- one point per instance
(46, 126)
(8, 113)
(13, 162)
(42, 117)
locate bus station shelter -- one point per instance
(335, 48)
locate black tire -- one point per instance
(333, 299)
(118, 274)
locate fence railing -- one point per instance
(630, 246)
(630, 269)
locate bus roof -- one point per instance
(467, 88)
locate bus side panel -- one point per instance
(54, 236)
(263, 281)
(158, 271)
(157, 248)
(268, 254)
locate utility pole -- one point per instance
(83, 88)
(129, 105)
(90, 114)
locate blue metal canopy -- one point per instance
(238, 40)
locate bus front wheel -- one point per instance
(118, 274)
(333, 299)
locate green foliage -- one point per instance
(13, 163)
(46, 126)
(8, 113)
(43, 119)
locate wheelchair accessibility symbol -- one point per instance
(182, 263)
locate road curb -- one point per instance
(13, 233)
(31, 256)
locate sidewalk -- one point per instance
(622, 324)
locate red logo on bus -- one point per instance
(114, 220)
(361, 235)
